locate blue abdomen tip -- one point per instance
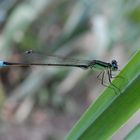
(2, 63)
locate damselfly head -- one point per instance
(114, 65)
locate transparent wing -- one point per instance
(39, 58)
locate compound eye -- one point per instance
(114, 64)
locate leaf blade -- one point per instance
(108, 99)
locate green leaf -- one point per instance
(134, 134)
(110, 111)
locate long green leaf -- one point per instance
(110, 111)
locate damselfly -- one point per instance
(105, 67)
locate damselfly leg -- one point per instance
(101, 77)
(109, 72)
